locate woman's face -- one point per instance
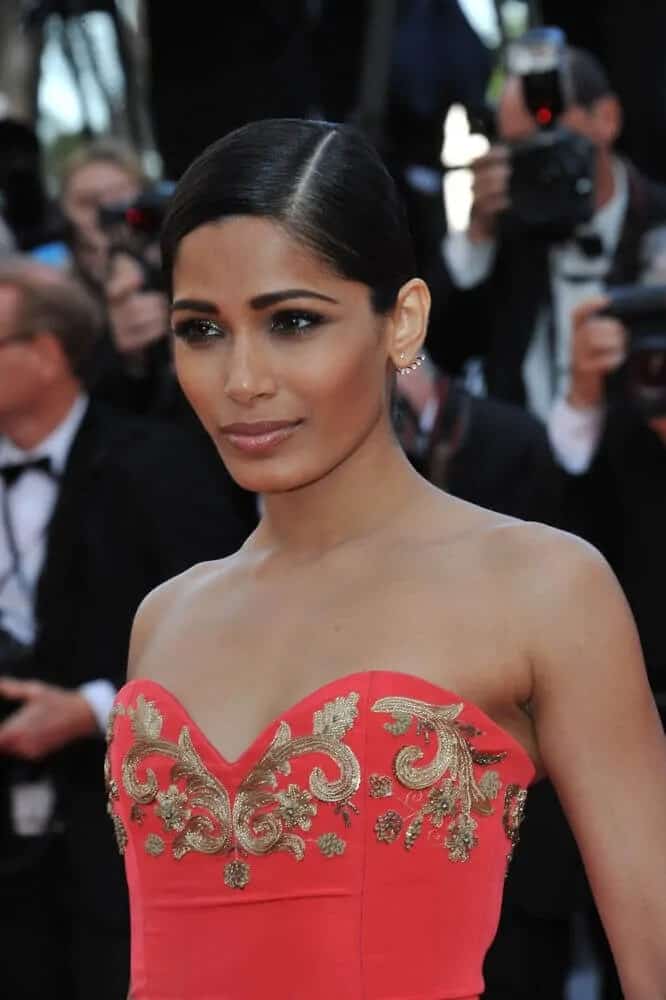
(284, 361)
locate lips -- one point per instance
(260, 436)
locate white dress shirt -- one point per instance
(31, 501)
(575, 434)
(574, 277)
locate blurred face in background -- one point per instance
(20, 360)
(283, 360)
(88, 188)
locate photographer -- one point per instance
(613, 450)
(508, 285)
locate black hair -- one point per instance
(324, 183)
(589, 79)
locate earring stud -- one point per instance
(412, 366)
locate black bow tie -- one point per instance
(12, 473)
(590, 245)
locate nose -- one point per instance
(249, 374)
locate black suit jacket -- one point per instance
(496, 319)
(620, 506)
(139, 502)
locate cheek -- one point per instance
(342, 386)
(199, 380)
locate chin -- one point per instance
(273, 476)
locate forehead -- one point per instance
(241, 257)
(102, 178)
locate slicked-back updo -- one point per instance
(323, 183)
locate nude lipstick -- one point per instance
(260, 437)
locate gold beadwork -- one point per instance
(112, 789)
(262, 817)
(401, 723)
(136, 814)
(490, 784)
(381, 786)
(236, 874)
(331, 845)
(172, 808)
(441, 802)
(120, 832)
(515, 798)
(154, 845)
(413, 832)
(388, 826)
(296, 807)
(461, 838)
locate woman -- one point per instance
(318, 767)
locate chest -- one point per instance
(238, 664)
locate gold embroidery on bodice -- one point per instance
(197, 814)
(454, 793)
(263, 816)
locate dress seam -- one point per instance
(364, 867)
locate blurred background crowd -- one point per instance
(529, 143)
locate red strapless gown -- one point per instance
(357, 849)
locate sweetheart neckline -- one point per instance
(320, 692)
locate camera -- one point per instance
(140, 218)
(133, 228)
(552, 172)
(642, 309)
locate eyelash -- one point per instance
(288, 323)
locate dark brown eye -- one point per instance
(295, 322)
(197, 331)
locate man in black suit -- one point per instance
(481, 450)
(504, 295)
(97, 509)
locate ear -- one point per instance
(608, 120)
(409, 322)
(52, 360)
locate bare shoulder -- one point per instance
(170, 600)
(547, 561)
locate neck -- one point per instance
(28, 429)
(370, 489)
(605, 186)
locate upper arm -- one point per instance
(603, 746)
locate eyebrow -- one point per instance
(258, 302)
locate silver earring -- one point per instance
(416, 363)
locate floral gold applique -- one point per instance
(453, 790)
(263, 817)
(331, 845)
(296, 807)
(441, 802)
(236, 874)
(172, 808)
(401, 723)
(381, 786)
(461, 838)
(154, 845)
(388, 826)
